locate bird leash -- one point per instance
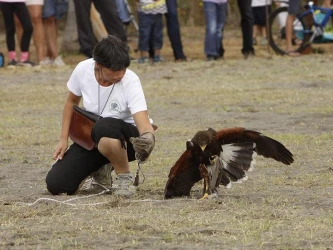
(137, 174)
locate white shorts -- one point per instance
(34, 2)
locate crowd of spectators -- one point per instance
(38, 19)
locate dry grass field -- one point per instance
(278, 207)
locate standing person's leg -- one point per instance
(22, 14)
(157, 36)
(174, 31)
(220, 21)
(262, 23)
(35, 12)
(256, 28)
(86, 37)
(293, 9)
(8, 17)
(247, 26)
(49, 11)
(145, 38)
(61, 7)
(111, 19)
(211, 46)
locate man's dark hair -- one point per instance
(112, 53)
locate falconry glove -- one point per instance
(143, 146)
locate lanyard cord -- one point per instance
(106, 99)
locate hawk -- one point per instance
(220, 157)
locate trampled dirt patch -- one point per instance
(279, 207)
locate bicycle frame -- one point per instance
(319, 25)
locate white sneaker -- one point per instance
(123, 185)
(58, 62)
(46, 62)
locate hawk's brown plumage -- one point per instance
(234, 147)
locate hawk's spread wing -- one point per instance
(264, 145)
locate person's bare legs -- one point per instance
(35, 12)
(50, 29)
(263, 32)
(289, 35)
(255, 32)
(326, 3)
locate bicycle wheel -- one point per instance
(277, 34)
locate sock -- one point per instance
(12, 55)
(24, 56)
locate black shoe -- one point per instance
(210, 58)
(12, 63)
(248, 54)
(26, 63)
(181, 59)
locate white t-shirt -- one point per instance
(126, 99)
(257, 3)
(13, 1)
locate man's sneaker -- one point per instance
(26, 63)
(12, 64)
(123, 185)
(58, 62)
(103, 175)
(158, 59)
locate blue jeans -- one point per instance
(150, 31)
(215, 15)
(173, 29)
(123, 11)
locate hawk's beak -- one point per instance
(203, 147)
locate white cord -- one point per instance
(68, 202)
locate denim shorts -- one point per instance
(294, 7)
(56, 8)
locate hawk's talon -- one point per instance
(204, 197)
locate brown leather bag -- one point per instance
(81, 126)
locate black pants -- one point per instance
(109, 15)
(246, 24)
(21, 11)
(173, 29)
(78, 163)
